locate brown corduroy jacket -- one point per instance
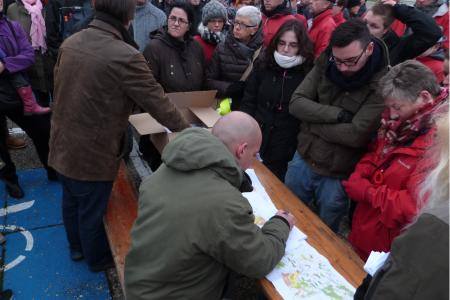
(98, 79)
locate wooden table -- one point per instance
(325, 241)
(122, 211)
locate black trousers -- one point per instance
(37, 127)
(84, 205)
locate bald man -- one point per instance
(194, 226)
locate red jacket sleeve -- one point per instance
(397, 207)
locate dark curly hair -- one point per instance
(189, 10)
(306, 47)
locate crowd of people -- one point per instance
(340, 100)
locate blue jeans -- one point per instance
(84, 205)
(307, 185)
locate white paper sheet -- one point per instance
(303, 273)
(375, 261)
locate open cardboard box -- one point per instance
(197, 107)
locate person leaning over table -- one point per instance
(187, 240)
(384, 183)
(339, 109)
(90, 117)
(233, 56)
(418, 264)
(283, 66)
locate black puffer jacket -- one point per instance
(177, 65)
(230, 60)
(267, 95)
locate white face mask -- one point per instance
(287, 62)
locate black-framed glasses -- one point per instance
(350, 62)
(180, 21)
(242, 25)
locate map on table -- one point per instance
(302, 273)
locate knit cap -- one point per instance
(213, 10)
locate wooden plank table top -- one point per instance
(320, 236)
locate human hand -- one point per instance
(356, 188)
(345, 116)
(235, 89)
(287, 216)
(2, 67)
(389, 2)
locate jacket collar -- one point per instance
(106, 27)
(321, 17)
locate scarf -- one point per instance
(210, 37)
(396, 132)
(287, 62)
(363, 76)
(37, 31)
(114, 22)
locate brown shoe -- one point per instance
(15, 143)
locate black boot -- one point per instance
(13, 188)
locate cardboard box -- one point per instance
(197, 107)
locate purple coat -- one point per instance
(18, 50)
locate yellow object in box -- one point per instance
(224, 106)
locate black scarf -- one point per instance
(107, 18)
(363, 76)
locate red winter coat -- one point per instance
(391, 201)
(208, 49)
(339, 18)
(435, 65)
(273, 23)
(441, 18)
(320, 32)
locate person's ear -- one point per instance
(425, 97)
(369, 49)
(240, 150)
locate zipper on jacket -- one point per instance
(280, 106)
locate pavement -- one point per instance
(35, 256)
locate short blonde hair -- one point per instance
(435, 187)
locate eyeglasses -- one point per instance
(174, 20)
(353, 61)
(242, 25)
(282, 43)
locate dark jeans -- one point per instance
(37, 127)
(84, 205)
(328, 192)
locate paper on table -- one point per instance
(303, 273)
(375, 261)
(264, 209)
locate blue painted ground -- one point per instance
(46, 272)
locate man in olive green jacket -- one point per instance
(339, 109)
(193, 225)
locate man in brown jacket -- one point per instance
(99, 76)
(339, 109)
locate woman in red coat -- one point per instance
(384, 182)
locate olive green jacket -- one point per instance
(194, 226)
(331, 148)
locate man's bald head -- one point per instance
(241, 134)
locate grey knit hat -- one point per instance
(213, 10)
